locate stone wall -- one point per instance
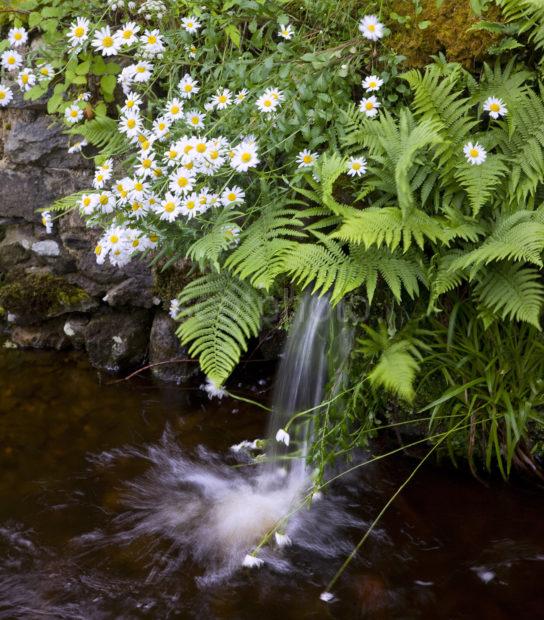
(52, 292)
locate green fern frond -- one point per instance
(103, 133)
(67, 203)
(518, 237)
(480, 182)
(512, 292)
(445, 277)
(258, 258)
(224, 313)
(387, 227)
(209, 247)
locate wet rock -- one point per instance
(31, 137)
(74, 328)
(12, 254)
(164, 345)
(117, 340)
(48, 335)
(130, 293)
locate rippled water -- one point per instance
(95, 520)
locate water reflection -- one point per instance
(72, 446)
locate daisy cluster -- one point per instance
(12, 63)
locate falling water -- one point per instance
(214, 513)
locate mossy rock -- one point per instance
(169, 281)
(447, 32)
(39, 296)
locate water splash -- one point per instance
(213, 509)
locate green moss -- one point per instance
(168, 282)
(448, 32)
(41, 295)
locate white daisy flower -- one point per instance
(213, 390)
(282, 540)
(152, 41)
(190, 206)
(356, 166)
(233, 196)
(73, 113)
(232, 234)
(326, 597)
(142, 71)
(306, 159)
(105, 42)
(495, 107)
(88, 203)
(101, 177)
(106, 202)
(169, 208)
(47, 221)
(266, 103)
(369, 105)
(372, 83)
(475, 153)
(161, 127)
(195, 119)
(6, 95)
(139, 190)
(222, 99)
(127, 34)
(77, 147)
(174, 109)
(241, 96)
(244, 157)
(11, 60)
(182, 182)
(17, 37)
(191, 24)
(283, 436)
(130, 124)
(133, 101)
(251, 561)
(286, 32)
(188, 86)
(146, 165)
(371, 28)
(175, 308)
(45, 72)
(78, 32)
(26, 79)
(275, 93)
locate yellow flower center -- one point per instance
(147, 163)
(153, 238)
(127, 34)
(267, 103)
(151, 39)
(135, 243)
(2, 95)
(189, 165)
(131, 123)
(307, 159)
(98, 250)
(183, 182)
(174, 109)
(191, 204)
(201, 147)
(246, 157)
(44, 71)
(222, 99)
(18, 36)
(372, 84)
(195, 120)
(474, 152)
(231, 197)
(79, 32)
(188, 88)
(73, 113)
(356, 166)
(130, 103)
(157, 172)
(495, 107)
(136, 206)
(369, 105)
(172, 154)
(86, 201)
(372, 27)
(114, 239)
(214, 154)
(138, 186)
(140, 69)
(11, 60)
(103, 199)
(107, 41)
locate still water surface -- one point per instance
(71, 442)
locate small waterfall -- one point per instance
(214, 513)
(317, 339)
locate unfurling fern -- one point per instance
(103, 133)
(224, 312)
(67, 203)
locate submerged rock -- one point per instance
(47, 335)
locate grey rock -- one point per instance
(46, 248)
(24, 190)
(74, 328)
(130, 293)
(117, 341)
(48, 335)
(12, 254)
(164, 345)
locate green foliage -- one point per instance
(224, 314)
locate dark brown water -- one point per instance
(448, 548)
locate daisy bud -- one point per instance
(283, 437)
(251, 561)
